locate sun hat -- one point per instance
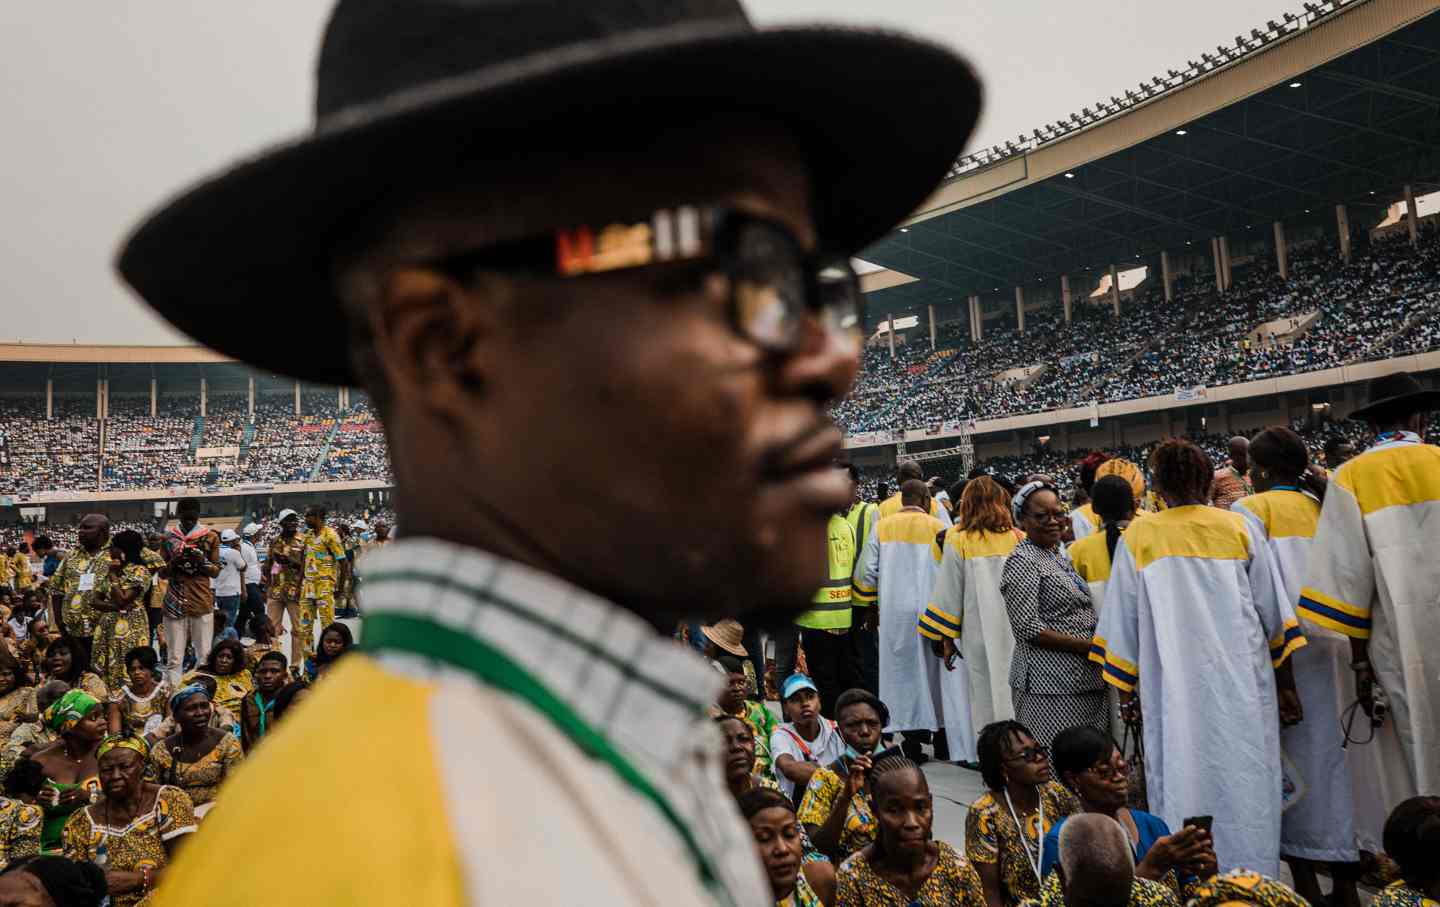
(794, 684)
(228, 535)
(250, 529)
(414, 91)
(1396, 394)
(727, 635)
(284, 514)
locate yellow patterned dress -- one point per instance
(17, 702)
(138, 845)
(824, 789)
(991, 837)
(19, 830)
(200, 779)
(323, 555)
(117, 632)
(953, 883)
(141, 715)
(230, 689)
(1245, 887)
(1143, 893)
(1398, 894)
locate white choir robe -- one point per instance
(898, 568)
(1194, 615)
(1083, 521)
(1374, 574)
(1319, 822)
(1090, 557)
(967, 606)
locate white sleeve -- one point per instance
(1267, 592)
(1116, 647)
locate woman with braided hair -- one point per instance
(1196, 618)
(904, 866)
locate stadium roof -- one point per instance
(1338, 106)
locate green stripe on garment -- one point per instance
(389, 631)
(483, 597)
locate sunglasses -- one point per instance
(774, 283)
(1110, 771)
(1030, 754)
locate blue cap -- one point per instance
(794, 684)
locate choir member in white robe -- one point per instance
(1374, 576)
(897, 570)
(1319, 819)
(967, 615)
(1194, 616)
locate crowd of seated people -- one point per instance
(1326, 313)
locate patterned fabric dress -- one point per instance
(1052, 690)
(17, 702)
(762, 725)
(118, 632)
(1246, 887)
(953, 883)
(202, 778)
(992, 837)
(19, 830)
(139, 844)
(1143, 893)
(1401, 895)
(141, 715)
(824, 789)
(802, 896)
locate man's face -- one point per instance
(314, 520)
(714, 455)
(93, 531)
(188, 514)
(290, 524)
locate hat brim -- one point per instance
(881, 117)
(1415, 402)
(735, 649)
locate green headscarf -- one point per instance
(66, 712)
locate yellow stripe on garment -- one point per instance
(977, 544)
(1286, 643)
(402, 851)
(1378, 479)
(1091, 557)
(1195, 531)
(1117, 671)
(909, 528)
(1285, 514)
(935, 623)
(1333, 614)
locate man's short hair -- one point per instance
(914, 493)
(1097, 864)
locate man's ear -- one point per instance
(431, 336)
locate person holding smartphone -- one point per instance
(836, 811)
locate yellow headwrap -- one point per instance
(1127, 471)
(123, 742)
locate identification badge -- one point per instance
(87, 582)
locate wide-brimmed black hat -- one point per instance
(1396, 395)
(430, 86)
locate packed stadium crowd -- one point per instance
(1327, 312)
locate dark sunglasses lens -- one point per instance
(842, 307)
(769, 284)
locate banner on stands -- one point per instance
(1190, 394)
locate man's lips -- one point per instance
(814, 449)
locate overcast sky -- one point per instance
(111, 106)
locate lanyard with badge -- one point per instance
(1032, 857)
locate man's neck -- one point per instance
(808, 729)
(188, 527)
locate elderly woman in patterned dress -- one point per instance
(1055, 685)
(17, 697)
(131, 831)
(122, 624)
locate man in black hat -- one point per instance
(1373, 576)
(610, 239)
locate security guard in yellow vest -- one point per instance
(825, 628)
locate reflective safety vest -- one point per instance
(862, 517)
(832, 601)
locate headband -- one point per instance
(1017, 503)
(185, 693)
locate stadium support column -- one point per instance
(979, 318)
(297, 398)
(1167, 277)
(1065, 295)
(1413, 221)
(1342, 227)
(154, 397)
(1115, 290)
(932, 327)
(1282, 252)
(250, 387)
(891, 324)
(204, 395)
(1020, 308)
(1219, 268)
(49, 398)
(1225, 261)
